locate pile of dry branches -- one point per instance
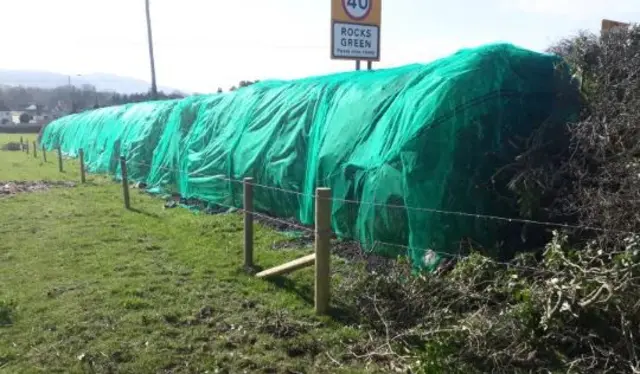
(574, 310)
(604, 166)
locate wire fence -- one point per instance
(283, 194)
(404, 207)
(454, 255)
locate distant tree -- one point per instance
(64, 99)
(243, 84)
(246, 83)
(25, 118)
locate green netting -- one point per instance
(419, 136)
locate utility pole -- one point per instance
(154, 88)
(71, 92)
(72, 107)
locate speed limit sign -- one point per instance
(357, 9)
(355, 29)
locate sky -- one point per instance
(201, 45)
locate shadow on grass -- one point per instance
(144, 213)
(338, 311)
(87, 183)
(345, 314)
(305, 292)
(6, 313)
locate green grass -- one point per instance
(87, 286)
(22, 166)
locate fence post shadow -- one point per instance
(143, 212)
(304, 291)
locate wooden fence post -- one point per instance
(26, 147)
(248, 222)
(125, 182)
(21, 144)
(323, 252)
(35, 150)
(82, 175)
(44, 154)
(60, 159)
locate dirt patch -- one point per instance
(11, 146)
(8, 188)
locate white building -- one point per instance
(15, 116)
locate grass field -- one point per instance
(87, 286)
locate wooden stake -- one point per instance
(248, 222)
(289, 267)
(21, 144)
(60, 159)
(26, 145)
(125, 182)
(82, 175)
(35, 150)
(44, 154)
(323, 252)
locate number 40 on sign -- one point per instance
(357, 9)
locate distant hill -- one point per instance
(102, 82)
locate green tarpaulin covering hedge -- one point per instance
(418, 136)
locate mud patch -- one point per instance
(8, 188)
(11, 146)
